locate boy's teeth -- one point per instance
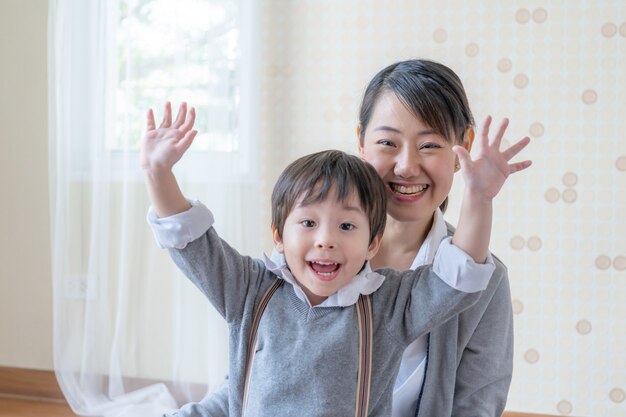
(413, 189)
(324, 268)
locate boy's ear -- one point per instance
(278, 241)
(372, 250)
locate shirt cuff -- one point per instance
(175, 232)
(459, 270)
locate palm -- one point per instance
(488, 170)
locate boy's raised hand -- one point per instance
(485, 174)
(162, 147)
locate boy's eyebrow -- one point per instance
(353, 208)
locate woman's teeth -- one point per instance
(408, 190)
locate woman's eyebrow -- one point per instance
(387, 129)
(424, 132)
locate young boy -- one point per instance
(330, 339)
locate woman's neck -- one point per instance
(400, 243)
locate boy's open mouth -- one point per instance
(325, 270)
(407, 190)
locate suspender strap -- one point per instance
(253, 336)
(364, 314)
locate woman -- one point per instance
(412, 113)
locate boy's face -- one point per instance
(326, 244)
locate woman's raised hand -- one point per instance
(162, 147)
(488, 170)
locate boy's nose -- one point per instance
(325, 240)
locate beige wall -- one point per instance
(25, 278)
(556, 68)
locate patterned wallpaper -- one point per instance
(558, 70)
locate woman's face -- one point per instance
(416, 164)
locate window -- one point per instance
(178, 50)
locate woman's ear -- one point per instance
(468, 138)
(278, 241)
(359, 140)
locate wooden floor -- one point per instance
(29, 408)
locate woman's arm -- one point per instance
(484, 373)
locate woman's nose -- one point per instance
(407, 163)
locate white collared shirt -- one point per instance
(458, 271)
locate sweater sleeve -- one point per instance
(432, 294)
(224, 276)
(484, 373)
(213, 405)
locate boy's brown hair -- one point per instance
(312, 177)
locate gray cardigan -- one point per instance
(296, 341)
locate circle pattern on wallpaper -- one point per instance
(603, 262)
(622, 30)
(583, 327)
(520, 81)
(619, 263)
(505, 65)
(589, 96)
(536, 130)
(518, 307)
(531, 356)
(534, 243)
(522, 16)
(472, 50)
(552, 195)
(540, 15)
(440, 35)
(564, 408)
(518, 242)
(609, 29)
(620, 163)
(570, 179)
(617, 395)
(569, 195)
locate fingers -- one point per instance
(180, 117)
(484, 133)
(189, 121)
(497, 140)
(519, 166)
(167, 116)
(186, 141)
(150, 125)
(516, 148)
(463, 155)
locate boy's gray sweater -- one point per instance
(306, 358)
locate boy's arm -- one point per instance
(484, 176)
(161, 148)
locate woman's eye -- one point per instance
(430, 146)
(347, 226)
(385, 142)
(307, 223)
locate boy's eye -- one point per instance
(307, 223)
(347, 226)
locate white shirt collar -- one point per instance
(437, 233)
(366, 282)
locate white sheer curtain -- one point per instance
(131, 336)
